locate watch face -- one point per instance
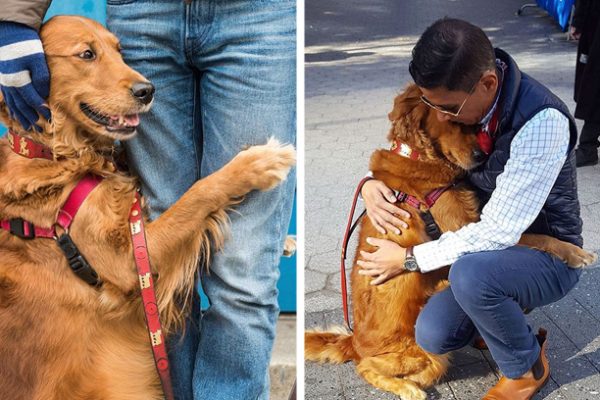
(411, 264)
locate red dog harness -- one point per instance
(430, 226)
(26, 230)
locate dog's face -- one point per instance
(416, 123)
(90, 83)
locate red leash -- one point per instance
(349, 229)
(142, 262)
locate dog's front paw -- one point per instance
(411, 393)
(580, 258)
(289, 247)
(265, 166)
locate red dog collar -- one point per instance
(26, 147)
(404, 150)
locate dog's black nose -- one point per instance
(478, 156)
(143, 92)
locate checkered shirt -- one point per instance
(537, 154)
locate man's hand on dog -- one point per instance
(379, 202)
(384, 263)
(24, 76)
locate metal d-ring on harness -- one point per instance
(431, 227)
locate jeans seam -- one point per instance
(455, 333)
(198, 128)
(494, 315)
(186, 34)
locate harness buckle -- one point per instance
(431, 227)
(79, 265)
(17, 228)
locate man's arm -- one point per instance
(30, 12)
(537, 154)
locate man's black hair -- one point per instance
(451, 54)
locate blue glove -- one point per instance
(24, 76)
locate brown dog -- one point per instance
(383, 342)
(61, 338)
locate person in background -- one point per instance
(225, 78)
(585, 28)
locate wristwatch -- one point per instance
(410, 262)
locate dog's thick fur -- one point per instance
(382, 344)
(59, 337)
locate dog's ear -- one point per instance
(405, 102)
(408, 114)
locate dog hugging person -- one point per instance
(225, 77)
(527, 184)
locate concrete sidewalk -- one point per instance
(282, 369)
(356, 62)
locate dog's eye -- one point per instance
(87, 55)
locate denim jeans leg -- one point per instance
(443, 326)
(165, 154)
(246, 58)
(494, 287)
(225, 78)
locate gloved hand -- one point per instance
(24, 76)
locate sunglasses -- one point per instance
(445, 110)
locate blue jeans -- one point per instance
(225, 78)
(488, 293)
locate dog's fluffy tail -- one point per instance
(334, 346)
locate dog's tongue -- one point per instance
(485, 142)
(132, 120)
(127, 120)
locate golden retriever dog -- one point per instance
(61, 338)
(382, 344)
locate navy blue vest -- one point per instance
(520, 99)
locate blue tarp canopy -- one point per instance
(559, 9)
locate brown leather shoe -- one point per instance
(524, 388)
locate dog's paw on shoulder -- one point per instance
(267, 165)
